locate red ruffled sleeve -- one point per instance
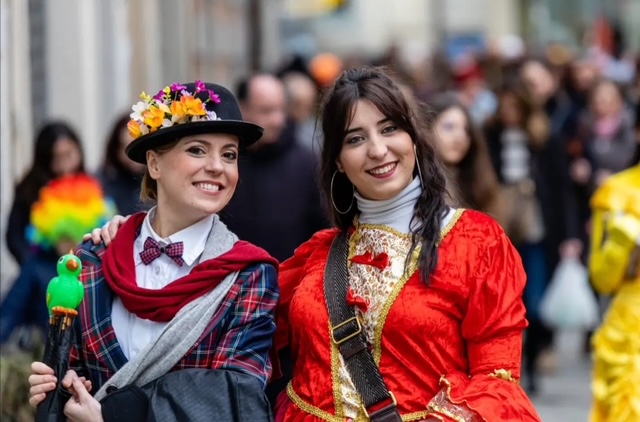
(291, 273)
(492, 328)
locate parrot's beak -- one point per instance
(72, 265)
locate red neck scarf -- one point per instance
(161, 305)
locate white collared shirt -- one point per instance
(134, 333)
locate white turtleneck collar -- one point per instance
(397, 211)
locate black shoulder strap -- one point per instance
(347, 335)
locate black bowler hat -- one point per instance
(182, 110)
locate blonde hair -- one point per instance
(149, 186)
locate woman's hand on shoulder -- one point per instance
(107, 232)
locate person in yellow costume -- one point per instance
(615, 269)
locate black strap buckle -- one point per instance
(382, 410)
(348, 336)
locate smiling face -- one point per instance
(197, 177)
(377, 156)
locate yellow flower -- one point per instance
(134, 129)
(193, 106)
(153, 118)
(167, 90)
(178, 112)
(145, 97)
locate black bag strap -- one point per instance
(347, 335)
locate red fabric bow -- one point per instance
(357, 301)
(380, 261)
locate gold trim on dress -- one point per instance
(416, 416)
(325, 416)
(443, 405)
(454, 220)
(386, 308)
(335, 375)
(472, 414)
(503, 374)
(310, 409)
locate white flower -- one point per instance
(144, 128)
(167, 123)
(138, 108)
(162, 106)
(211, 115)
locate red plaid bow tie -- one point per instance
(153, 250)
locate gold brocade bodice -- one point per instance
(377, 273)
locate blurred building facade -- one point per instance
(86, 61)
(369, 27)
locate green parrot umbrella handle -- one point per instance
(66, 291)
(64, 295)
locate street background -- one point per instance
(84, 62)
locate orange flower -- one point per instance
(134, 129)
(193, 106)
(178, 112)
(153, 118)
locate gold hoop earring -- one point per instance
(334, 202)
(415, 152)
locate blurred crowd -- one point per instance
(525, 137)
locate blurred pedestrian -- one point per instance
(67, 208)
(302, 106)
(120, 176)
(473, 91)
(57, 152)
(276, 172)
(471, 178)
(534, 179)
(278, 178)
(565, 236)
(607, 133)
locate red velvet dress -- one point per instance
(449, 351)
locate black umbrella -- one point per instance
(64, 294)
(56, 356)
(51, 340)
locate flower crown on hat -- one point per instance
(171, 106)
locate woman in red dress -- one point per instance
(436, 290)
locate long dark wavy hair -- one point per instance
(476, 180)
(41, 172)
(375, 85)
